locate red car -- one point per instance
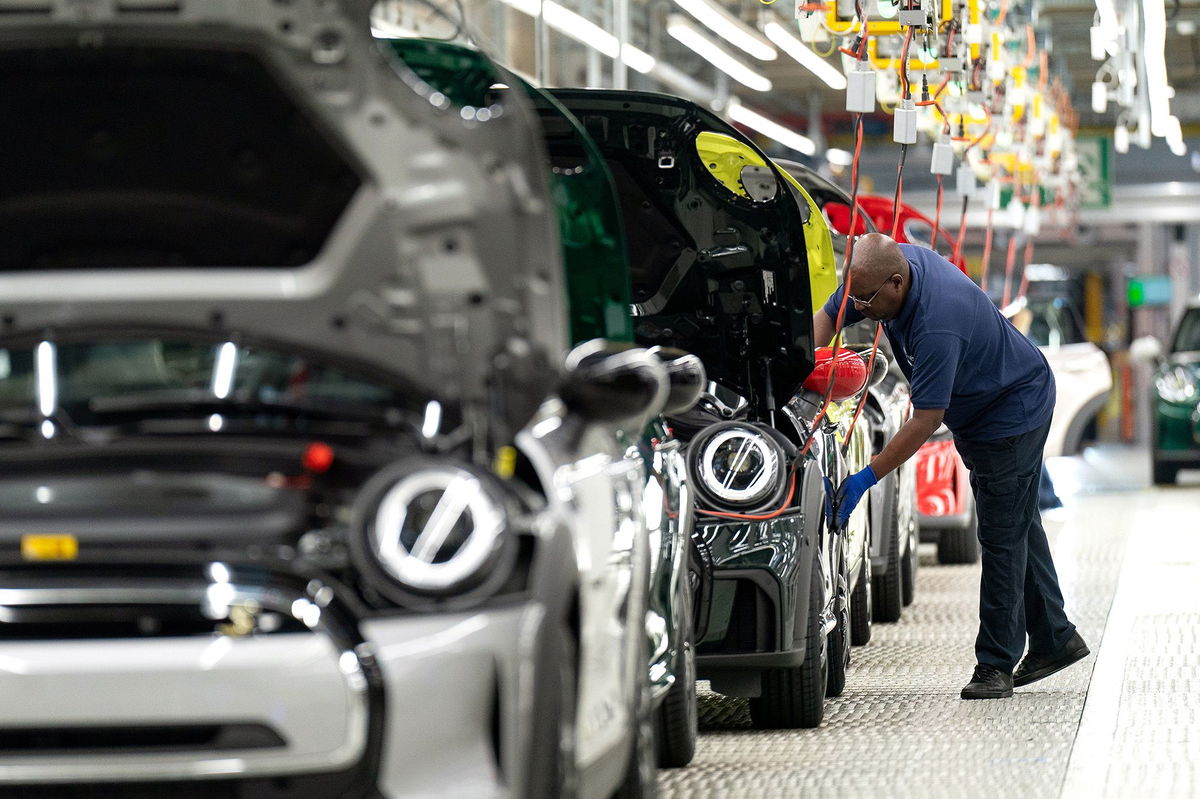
(945, 504)
(914, 228)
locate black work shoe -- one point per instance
(1034, 667)
(988, 682)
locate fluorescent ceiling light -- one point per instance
(583, 30)
(636, 59)
(752, 119)
(729, 28)
(798, 50)
(682, 31)
(839, 157)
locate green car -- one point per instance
(1175, 399)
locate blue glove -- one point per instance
(850, 492)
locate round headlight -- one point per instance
(738, 466)
(432, 530)
(1176, 385)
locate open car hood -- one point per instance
(270, 169)
(717, 251)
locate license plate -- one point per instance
(49, 547)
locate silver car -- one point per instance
(300, 498)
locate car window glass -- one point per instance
(92, 380)
(1187, 339)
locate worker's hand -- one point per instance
(850, 492)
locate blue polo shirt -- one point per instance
(961, 355)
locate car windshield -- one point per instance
(1055, 323)
(178, 385)
(1187, 338)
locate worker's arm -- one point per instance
(908, 439)
(822, 328)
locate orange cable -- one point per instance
(787, 501)
(1009, 263)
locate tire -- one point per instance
(838, 645)
(677, 719)
(1164, 473)
(641, 775)
(795, 697)
(887, 593)
(556, 730)
(860, 606)
(909, 565)
(958, 546)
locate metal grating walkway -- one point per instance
(900, 729)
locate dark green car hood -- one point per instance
(713, 273)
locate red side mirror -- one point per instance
(850, 379)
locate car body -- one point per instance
(1082, 374)
(894, 557)
(301, 493)
(719, 269)
(1175, 401)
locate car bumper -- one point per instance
(415, 705)
(755, 591)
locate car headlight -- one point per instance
(1176, 385)
(737, 465)
(428, 529)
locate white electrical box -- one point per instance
(905, 129)
(860, 89)
(965, 180)
(950, 63)
(943, 159)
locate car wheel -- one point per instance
(678, 716)
(959, 545)
(909, 566)
(838, 645)
(860, 606)
(887, 592)
(1164, 473)
(796, 697)
(641, 775)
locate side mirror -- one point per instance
(686, 376)
(611, 382)
(1146, 349)
(850, 379)
(879, 368)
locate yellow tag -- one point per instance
(49, 547)
(505, 463)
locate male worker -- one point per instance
(971, 369)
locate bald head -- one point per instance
(876, 258)
(879, 277)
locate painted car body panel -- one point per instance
(719, 269)
(437, 285)
(1175, 400)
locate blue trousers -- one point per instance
(1018, 592)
